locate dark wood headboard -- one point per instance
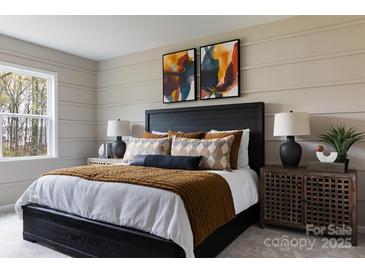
(221, 117)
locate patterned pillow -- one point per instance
(159, 146)
(215, 152)
(242, 160)
(235, 145)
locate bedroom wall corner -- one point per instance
(76, 113)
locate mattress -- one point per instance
(152, 210)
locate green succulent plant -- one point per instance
(341, 139)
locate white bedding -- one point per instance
(153, 210)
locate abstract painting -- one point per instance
(179, 76)
(219, 70)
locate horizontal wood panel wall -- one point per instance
(76, 113)
(306, 63)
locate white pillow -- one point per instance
(242, 160)
(159, 132)
(154, 146)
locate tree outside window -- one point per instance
(24, 114)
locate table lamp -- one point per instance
(291, 124)
(118, 129)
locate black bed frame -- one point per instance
(81, 237)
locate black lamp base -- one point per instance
(118, 148)
(290, 153)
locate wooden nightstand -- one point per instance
(297, 197)
(105, 161)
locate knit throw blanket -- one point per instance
(207, 196)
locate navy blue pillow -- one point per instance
(167, 161)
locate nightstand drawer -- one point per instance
(328, 200)
(282, 199)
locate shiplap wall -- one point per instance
(307, 63)
(76, 113)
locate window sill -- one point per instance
(16, 159)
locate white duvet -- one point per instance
(153, 210)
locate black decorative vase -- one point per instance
(290, 153)
(118, 148)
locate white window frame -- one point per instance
(52, 110)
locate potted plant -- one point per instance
(341, 139)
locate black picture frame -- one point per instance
(195, 78)
(238, 71)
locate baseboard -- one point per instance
(7, 209)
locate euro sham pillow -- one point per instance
(235, 145)
(154, 146)
(215, 152)
(242, 160)
(151, 135)
(168, 161)
(181, 134)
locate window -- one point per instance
(28, 127)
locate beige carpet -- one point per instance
(250, 243)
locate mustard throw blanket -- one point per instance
(207, 196)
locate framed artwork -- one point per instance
(179, 77)
(220, 70)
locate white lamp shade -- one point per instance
(291, 124)
(119, 128)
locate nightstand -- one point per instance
(302, 199)
(105, 161)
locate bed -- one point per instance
(86, 237)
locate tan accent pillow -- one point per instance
(150, 135)
(190, 135)
(215, 152)
(154, 146)
(235, 146)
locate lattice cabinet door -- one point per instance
(331, 200)
(281, 197)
